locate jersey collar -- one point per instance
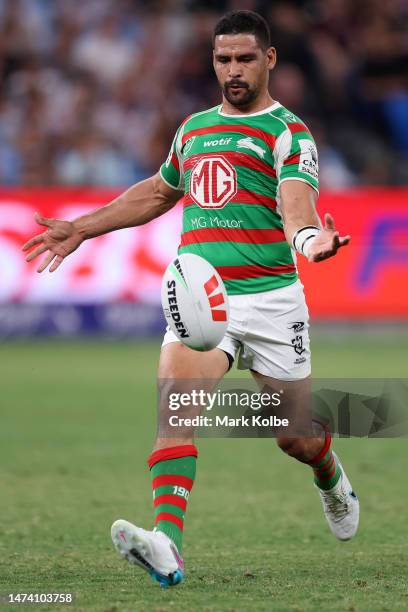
(271, 108)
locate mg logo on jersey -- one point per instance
(213, 182)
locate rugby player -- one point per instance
(247, 171)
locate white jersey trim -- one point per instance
(208, 110)
(167, 182)
(274, 106)
(296, 178)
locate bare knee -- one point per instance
(161, 443)
(290, 446)
(303, 449)
(180, 362)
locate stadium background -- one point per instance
(91, 94)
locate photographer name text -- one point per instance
(226, 421)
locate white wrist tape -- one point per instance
(303, 239)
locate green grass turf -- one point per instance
(77, 423)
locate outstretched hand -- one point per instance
(60, 239)
(327, 242)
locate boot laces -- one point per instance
(336, 503)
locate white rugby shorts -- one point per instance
(269, 332)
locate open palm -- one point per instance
(327, 242)
(60, 239)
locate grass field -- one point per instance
(77, 423)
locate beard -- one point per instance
(239, 98)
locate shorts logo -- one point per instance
(297, 326)
(297, 343)
(213, 182)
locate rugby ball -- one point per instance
(195, 302)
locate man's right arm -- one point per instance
(138, 205)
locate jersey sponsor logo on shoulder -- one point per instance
(187, 145)
(213, 182)
(248, 143)
(288, 116)
(308, 161)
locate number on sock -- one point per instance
(181, 492)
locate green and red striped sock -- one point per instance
(325, 468)
(173, 471)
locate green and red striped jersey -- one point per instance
(230, 168)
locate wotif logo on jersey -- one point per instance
(213, 182)
(218, 142)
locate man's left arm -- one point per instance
(302, 225)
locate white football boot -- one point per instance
(152, 550)
(341, 506)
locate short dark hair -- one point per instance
(244, 22)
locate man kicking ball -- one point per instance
(247, 170)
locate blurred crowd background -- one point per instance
(92, 91)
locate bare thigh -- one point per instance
(303, 437)
(181, 370)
